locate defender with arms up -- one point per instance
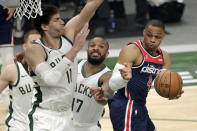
(54, 67)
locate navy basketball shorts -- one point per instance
(126, 115)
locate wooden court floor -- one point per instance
(167, 115)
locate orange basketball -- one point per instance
(168, 83)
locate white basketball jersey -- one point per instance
(59, 97)
(86, 111)
(20, 96)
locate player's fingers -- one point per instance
(176, 97)
(182, 91)
(9, 17)
(10, 13)
(125, 70)
(98, 96)
(86, 33)
(94, 90)
(126, 65)
(84, 29)
(121, 71)
(86, 26)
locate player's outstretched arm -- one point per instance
(75, 24)
(8, 75)
(79, 42)
(101, 94)
(126, 72)
(35, 58)
(122, 71)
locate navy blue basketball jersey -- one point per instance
(128, 111)
(143, 75)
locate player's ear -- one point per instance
(144, 32)
(44, 27)
(107, 54)
(24, 46)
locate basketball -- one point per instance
(168, 83)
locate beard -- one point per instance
(95, 61)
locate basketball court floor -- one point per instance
(167, 115)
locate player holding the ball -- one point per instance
(138, 64)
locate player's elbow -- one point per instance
(52, 79)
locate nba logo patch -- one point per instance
(136, 112)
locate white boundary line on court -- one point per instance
(170, 49)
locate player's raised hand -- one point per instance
(10, 12)
(80, 38)
(126, 72)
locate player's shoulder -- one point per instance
(131, 48)
(34, 49)
(164, 52)
(9, 71)
(10, 67)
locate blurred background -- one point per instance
(114, 18)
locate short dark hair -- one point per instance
(48, 11)
(156, 23)
(106, 42)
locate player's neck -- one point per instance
(151, 52)
(90, 69)
(53, 43)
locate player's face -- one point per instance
(153, 37)
(97, 50)
(56, 26)
(31, 38)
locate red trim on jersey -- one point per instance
(127, 93)
(147, 57)
(128, 116)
